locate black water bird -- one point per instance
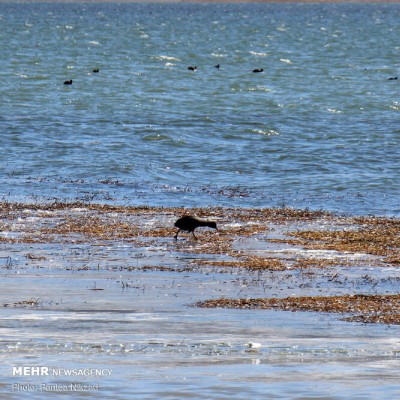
(258, 70)
(96, 70)
(189, 224)
(192, 68)
(393, 78)
(68, 82)
(217, 66)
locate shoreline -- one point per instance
(272, 290)
(276, 241)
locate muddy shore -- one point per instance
(301, 249)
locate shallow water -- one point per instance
(167, 350)
(317, 129)
(96, 307)
(157, 347)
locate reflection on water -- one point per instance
(185, 350)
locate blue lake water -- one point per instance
(318, 128)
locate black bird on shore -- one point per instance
(189, 224)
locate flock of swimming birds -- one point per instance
(194, 68)
(190, 68)
(69, 81)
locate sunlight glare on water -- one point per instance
(318, 128)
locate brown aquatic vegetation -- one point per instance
(209, 244)
(32, 303)
(307, 263)
(364, 308)
(389, 319)
(31, 256)
(249, 262)
(225, 250)
(93, 226)
(80, 222)
(374, 236)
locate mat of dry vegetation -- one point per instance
(377, 240)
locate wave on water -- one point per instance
(316, 128)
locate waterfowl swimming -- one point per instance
(192, 68)
(95, 70)
(217, 66)
(393, 78)
(68, 82)
(258, 70)
(189, 224)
